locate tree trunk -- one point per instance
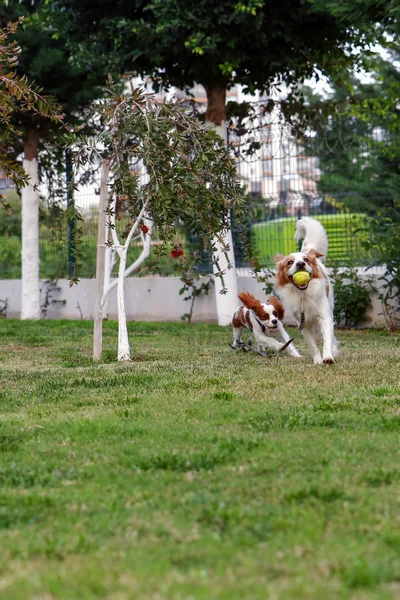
(109, 282)
(124, 351)
(226, 304)
(100, 263)
(30, 298)
(108, 268)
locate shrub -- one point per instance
(382, 239)
(352, 296)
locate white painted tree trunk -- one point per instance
(100, 263)
(104, 283)
(111, 283)
(124, 351)
(30, 300)
(108, 268)
(226, 304)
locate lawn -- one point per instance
(196, 472)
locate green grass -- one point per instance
(195, 471)
(277, 236)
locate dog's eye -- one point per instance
(275, 313)
(265, 317)
(289, 262)
(306, 260)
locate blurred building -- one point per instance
(272, 163)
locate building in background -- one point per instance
(280, 170)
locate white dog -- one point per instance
(311, 303)
(264, 320)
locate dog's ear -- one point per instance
(314, 253)
(278, 258)
(277, 304)
(249, 300)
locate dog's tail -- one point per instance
(313, 235)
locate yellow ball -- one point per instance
(301, 277)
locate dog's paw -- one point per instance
(328, 360)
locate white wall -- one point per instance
(147, 299)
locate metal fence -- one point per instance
(275, 235)
(271, 232)
(340, 173)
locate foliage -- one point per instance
(385, 13)
(18, 98)
(47, 60)
(352, 295)
(193, 287)
(50, 286)
(12, 225)
(357, 136)
(253, 43)
(195, 471)
(383, 241)
(191, 179)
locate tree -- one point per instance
(358, 138)
(45, 60)
(17, 96)
(255, 43)
(18, 101)
(360, 162)
(192, 183)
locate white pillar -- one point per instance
(30, 299)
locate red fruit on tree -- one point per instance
(177, 252)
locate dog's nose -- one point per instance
(301, 264)
(274, 322)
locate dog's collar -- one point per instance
(260, 324)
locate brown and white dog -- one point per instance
(314, 300)
(263, 320)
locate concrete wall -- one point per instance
(147, 299)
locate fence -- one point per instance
(271, 232)
(275, 235)
(340, 173)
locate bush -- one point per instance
(352, 296)
(382, 239)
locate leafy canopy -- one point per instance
(256, 43)
(18, 97)
(191, 178)
(358, 138)
(47, 61)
